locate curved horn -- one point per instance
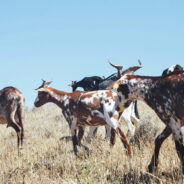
(131, 70)
(140, 63)
(119, 68)
(44, 81)
(44, 84)
(48, 83)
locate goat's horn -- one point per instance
(131, 70)
(140, 63)
(47, 83)
(119, 68)
(43, 81)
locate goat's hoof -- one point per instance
(129, 153)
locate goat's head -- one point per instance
(73, 85)
(172, 70)
(43, 95)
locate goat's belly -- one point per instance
(92, 121)
(2, 120)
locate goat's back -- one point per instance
(9, 97)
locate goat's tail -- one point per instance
(136, 110)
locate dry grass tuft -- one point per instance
(47, 159)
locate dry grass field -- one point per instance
(46, 159)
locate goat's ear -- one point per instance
(40, 89)
(114, 85)
(72, 84)
(131, 70)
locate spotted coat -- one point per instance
(165, 96)
(130, 112)
(81, 108)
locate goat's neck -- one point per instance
(140, 88)
(81, 84)
(57, 97)
(78, 84)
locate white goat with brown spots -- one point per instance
(80, 108)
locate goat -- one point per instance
(12, 111)
(165, 96)
(87, 83)
(171, 70)
(95, 82)
(82, 108)
(129, 115)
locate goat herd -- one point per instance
(104, 101)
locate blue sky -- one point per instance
(68, 40)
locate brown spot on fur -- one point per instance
(81, 108)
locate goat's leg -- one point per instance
(123, 139)
(17, 129)
(113, 123)
(108, 131)
(21, 127)
(91, 134)
(94, 131)
(74, 138)
(113, 137)
(178, 137)
(20, 120)
(158, 142)
(22, 135)
(80, 135)
(126, 115)
(180, 151)
(135, 112)
(11, 122)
